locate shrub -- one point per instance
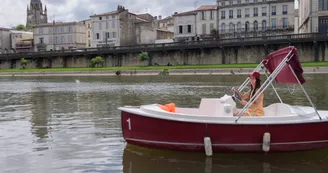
(24, 62)
(97, 61)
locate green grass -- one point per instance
(305, 64)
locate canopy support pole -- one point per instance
(274, 88)
(291, 69)
(265, 84)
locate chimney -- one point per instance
(159, 17)
(120, 8)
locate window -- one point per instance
(223, 28)
(62, 29)
(239, 13)
(180, 29)
(255, 1)
(246, 1)
(284, 9)
(230, 2)
(50, 30)
(41, 40)
(256, 12)
(100, 18)
(70, 39)
(70, 29)
(212, 15)
(222, 3)
(247, 26)
(89, 34)
(273, 23)
(231, 28)
(98, 36)
(264, 11)
(264, 25)
(222, 14)
(89, 25)
(50, 39)
(62, 39)
(107, 17)
(57, 40)
(230, 14)
(189, 29)
(41, 31)
(238, 27)
(256, 25)
(89, 43)
(273, 13)
(100, 26)
(203, 15)
(323, 5)
(114, 34)
(284, 22)
(107, 23)
(204, 28)
(211, 27)
(239, 2)
(113, 24)
(246, 12)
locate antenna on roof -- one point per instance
(195, 4)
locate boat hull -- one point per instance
(187, 136)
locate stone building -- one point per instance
(195, 25)
(148, 31)
(115, 28)
(255, 17)
(59, 36)
(4, 40)
(35, 13)
(88, 36)
(21, 41)
(313, 16)
(166, 23)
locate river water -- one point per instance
(71, 124)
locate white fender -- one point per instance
(266, 142)
(208, 146)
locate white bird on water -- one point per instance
(77, 81)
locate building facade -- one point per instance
(313, 16)
(88, 33)
(116, 28)
(4, 40)
(35, 13)
(248, 18)
(21, 41)
(59, 36)
(195, 25)
(185, 26)
(166, 23)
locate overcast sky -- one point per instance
(13, 12)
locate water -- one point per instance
(71, 124)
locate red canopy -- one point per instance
(285, 76)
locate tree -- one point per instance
(97, 61)
(20, 27)
(24, 62)
(144, 56)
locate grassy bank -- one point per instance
(305, 64)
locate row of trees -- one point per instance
(22, 27)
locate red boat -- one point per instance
(212, 127)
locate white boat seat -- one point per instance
(278, 109)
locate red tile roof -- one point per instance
(4, 29)
(206, 7)
(194, 12)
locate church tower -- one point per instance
(35, 14)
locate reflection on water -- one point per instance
(137, 159)
(56, 124)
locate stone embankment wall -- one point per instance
(198, 56)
